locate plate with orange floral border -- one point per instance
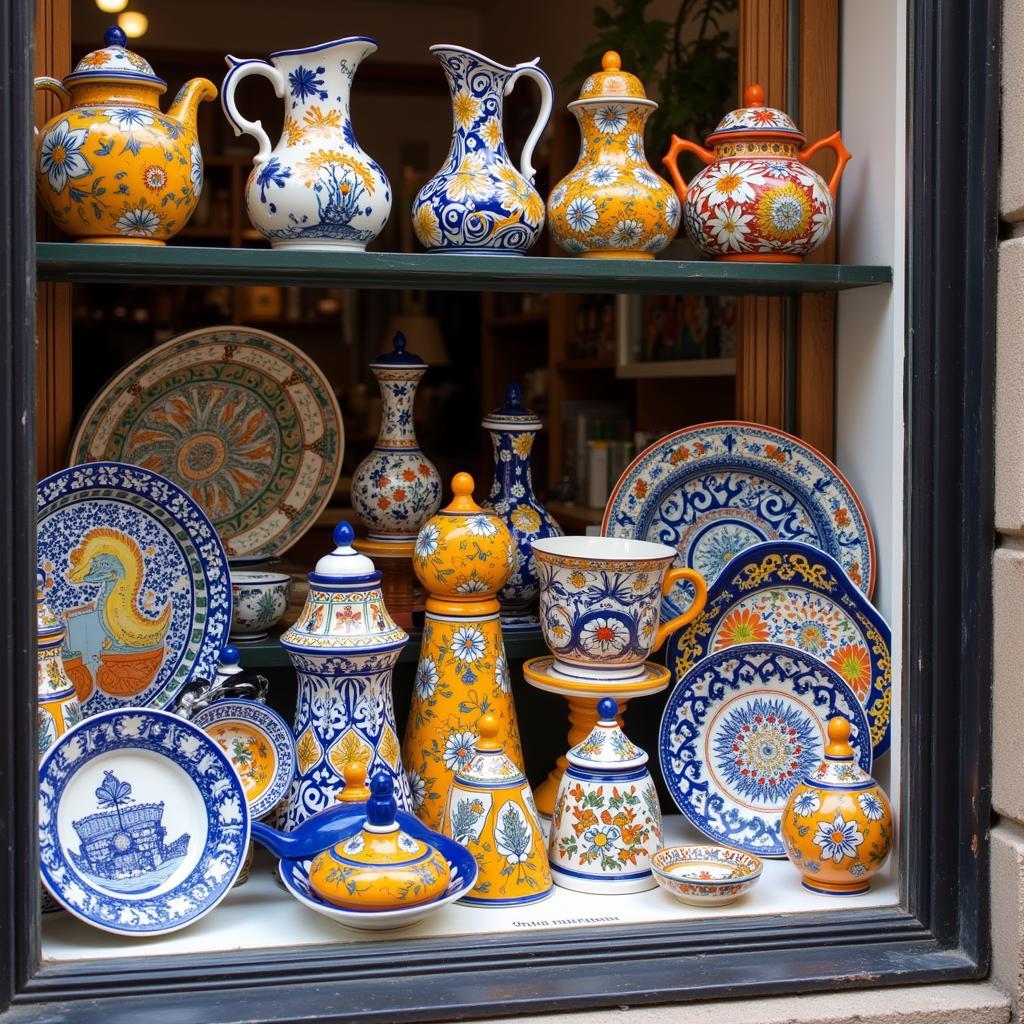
(712, 490)
(788, 593)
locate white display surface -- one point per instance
(261, 915)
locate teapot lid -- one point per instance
(513, 415)
(115, 62)
(607, 746)
(612, 83)
(754, 118)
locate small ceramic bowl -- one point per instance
(705, 876)
(258, 600)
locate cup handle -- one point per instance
(670, 160)
(239, 69)
(843, 155)
(672, 577)
(530, 70)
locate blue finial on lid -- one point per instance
(607, 709)
(344, 534)
(399, 342)
(382, 806)
(230, 655)
(114, 36)
(513, 397)
(513, 415)
(40, 579)
(398, 356)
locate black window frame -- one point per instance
(940, 931)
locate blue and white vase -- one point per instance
(316, 189)
(512, 428)
(479, 202)
(344, 646)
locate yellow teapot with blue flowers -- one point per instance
(111, 167)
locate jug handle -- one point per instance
(672, 577)
(669, 160)
(530, 70)
(47, 84)
(239, 69)
(843, 156)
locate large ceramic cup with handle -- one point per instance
(600, 600)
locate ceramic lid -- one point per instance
(612, 83)
(49, 625)
(513, 415)
(607, 746)
(355, 791)
(344, 562)
(398, 357)
(228, 664)
(115, 62)
(489, 766)
(839, 768)
(755, 119)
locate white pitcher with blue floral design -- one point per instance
(316, 189)
(479, 202)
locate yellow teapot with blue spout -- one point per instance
(111, 167)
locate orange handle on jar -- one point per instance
(843, 156)
(672, 577)
(669, 160)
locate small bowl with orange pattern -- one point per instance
(705, 876)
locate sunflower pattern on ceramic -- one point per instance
(111, 167)
(612, 203)
(757, 199)
(837, 826)
(463, 556)
(479, 201)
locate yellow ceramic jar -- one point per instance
(111, 167)
(612, 203)
(381, 867)
(58, 708)
(837, 825)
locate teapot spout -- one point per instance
(190, 95)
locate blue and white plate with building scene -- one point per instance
(140, 576)
(143, 822)
(741, 729)
(712, 490)
(259, 743)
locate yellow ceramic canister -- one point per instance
(837, 824)
(111, 167)
(612, 203)
(381, 867)
(490, 811)
(58, 708)
(463, 556)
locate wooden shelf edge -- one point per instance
(677, 368)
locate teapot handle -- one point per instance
(47, 84)
(669, 160)
(530, 70)
(843, 155)
(239, 69)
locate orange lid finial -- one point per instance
(839, 738)
(611, 61)
(355, 791)
(488, 726)
(753, 95)
(462, 489)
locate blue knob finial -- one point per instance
(344, 534)
(382, 806)
(607, 709)
(230, 655)
(399, 342)
(514, 396)
(114, 36)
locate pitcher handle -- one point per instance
(530, 70)
(669, 160)
(843, 157)
(672, 577)
(239, 69)
(47, 84)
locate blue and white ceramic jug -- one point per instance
(316, 189)
(344, 646)
(479, 202)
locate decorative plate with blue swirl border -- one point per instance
(140, 576)
(259, 744)
(741, 729)
(713, 490)
(143, 823)
(295, 876)
(792, 594)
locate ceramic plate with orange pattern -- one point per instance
(788, 593)
(258, 743)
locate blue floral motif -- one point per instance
(60, 155)
(305, 83)
(271, 173)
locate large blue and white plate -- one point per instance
(143, 823)
(792, 594)
(295, 876)
(140, 576)
(741, 729)
(259, 743)
(713, 490)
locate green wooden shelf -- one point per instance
(206, 265)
